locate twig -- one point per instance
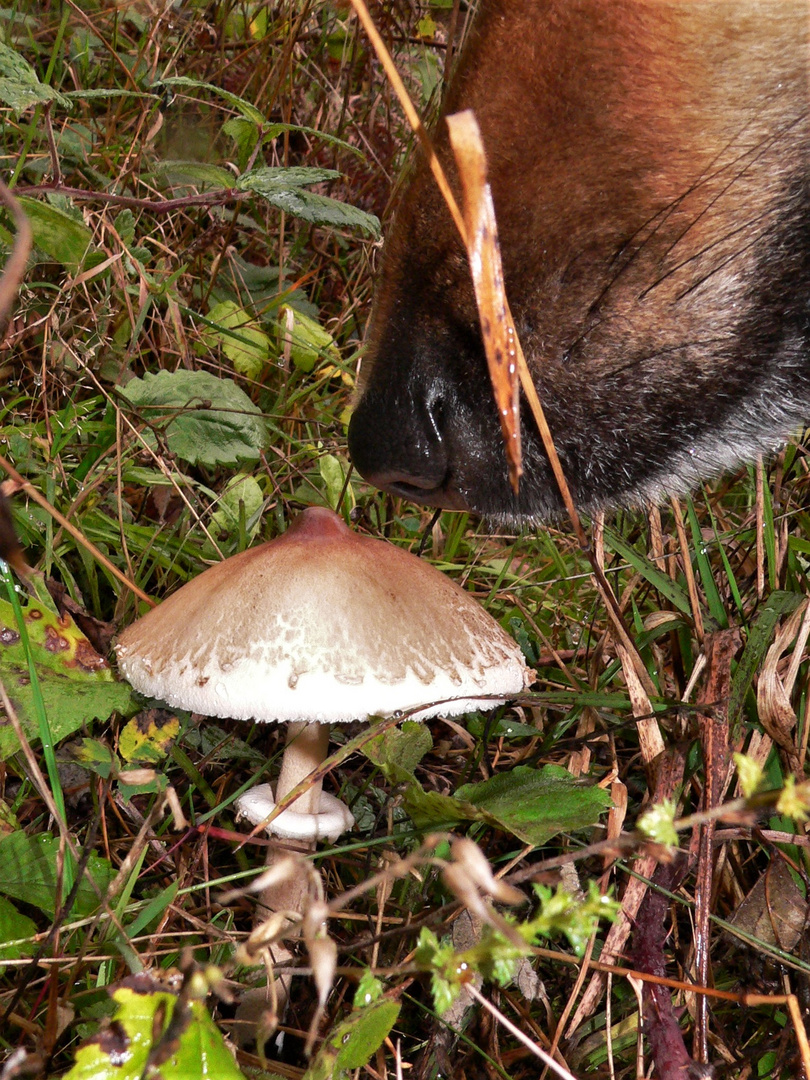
(515, 1031)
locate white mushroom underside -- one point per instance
(333, 817)
(247, 691)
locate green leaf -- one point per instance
(369, 989)
(286, 193)
(353, 1043)
(537, 804)
(239, 337)
(658, 578)
(533, 805)
(15, 927)
(308, 340)
(205, 420)
(657, 823)
(245, 108)
(143, 1016)
(397, 752)
(60, 236)
(77, 684)
(400, 748)
(198, 173)
(20, 87)
(276, 179)
(97, 757)
(245, 133)
(241, 500)
(333, 473)
(502, 728)
(364, 1033)
(28, 872)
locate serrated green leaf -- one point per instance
(195, 172)
(76, 683)
(28, 872)
(121, 1050)
(287, 193)
(247, 110)
(205, 420)
(15, 928)
(369, 989)
(536, 804)
(60, 236)
(308, 341)
(239, 337)
(20, 86)
(276, 179)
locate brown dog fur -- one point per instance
(649, 167)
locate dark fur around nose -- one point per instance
(649, 169)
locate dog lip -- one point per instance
(443, 496)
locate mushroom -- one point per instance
(320, 625)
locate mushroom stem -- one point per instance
(307, 746)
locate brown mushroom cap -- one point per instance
(325, 625)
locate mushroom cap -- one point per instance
(321, 624)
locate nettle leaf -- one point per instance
(536, 804)
(59, 235)
(244, 108)
(238, 335)
(272, 179)
(20, 86)
(15, 929)
(143, 1014)
(283, 189)
(198, 173)
(205, 420)
(28, 871)
(76, 684)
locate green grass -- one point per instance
(148, 261)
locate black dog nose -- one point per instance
(400, 446)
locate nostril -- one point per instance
(397, 441)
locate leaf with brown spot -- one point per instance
(159, 1041)
(76, 683)
(149, 736)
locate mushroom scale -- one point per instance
(324, 625)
